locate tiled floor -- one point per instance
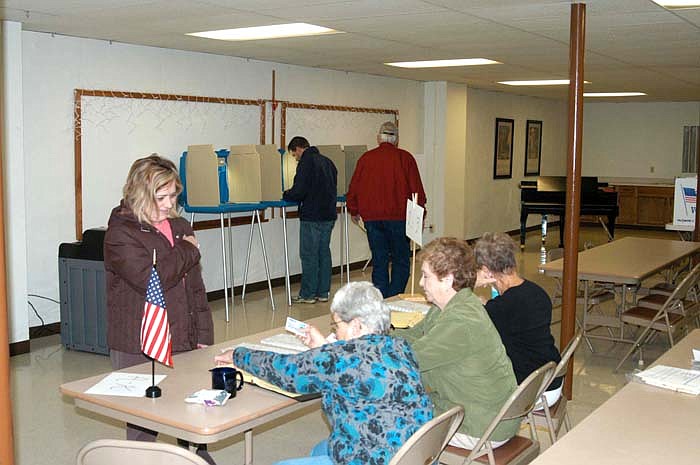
(49, 429)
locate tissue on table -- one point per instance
(208, 397)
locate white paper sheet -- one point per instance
(414, 222)
(124, 384)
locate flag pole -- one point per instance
(153, 391)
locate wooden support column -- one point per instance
(696, 231)
(6, 435)
(573, 181)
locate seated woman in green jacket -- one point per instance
(459, 351)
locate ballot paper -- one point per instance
(124, 384)
(676, 379)
(407, 306)
(285, 341)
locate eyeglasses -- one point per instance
(334, 325)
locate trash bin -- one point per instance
(82, 291)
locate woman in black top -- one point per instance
(522, 312)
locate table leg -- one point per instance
(287, 284)
(232, 278)
(267, 266)
(223, 261)
(248, 440)
(247, 257)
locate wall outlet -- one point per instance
(651, 169)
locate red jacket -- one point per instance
(384, 179)
(128, 252)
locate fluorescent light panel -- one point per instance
(542, 82)
(677, 4)
(275, 31)
(613, 94)
(444, 63)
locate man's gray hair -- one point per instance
(363, 301)
(388, 132)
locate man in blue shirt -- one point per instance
(315, 188)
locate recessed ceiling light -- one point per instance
(677, 4)
(613, 94)
(542, 82)
(275, 31)
(444, 63)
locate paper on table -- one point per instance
(407, 306)
(285, 341)
(124, 384)
(676, 379)
(406, 319)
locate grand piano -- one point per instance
(547, 195)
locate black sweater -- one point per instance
(315, 187)
(522, 316)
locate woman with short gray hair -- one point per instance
(372, 392)
(521, 312)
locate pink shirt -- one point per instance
(164, 227)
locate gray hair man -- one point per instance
(384, 178)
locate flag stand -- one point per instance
(153, 391)
(154, 299)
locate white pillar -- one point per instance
(13, 181)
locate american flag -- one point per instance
(155, 330)
(689, 195)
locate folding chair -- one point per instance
(518, 450)
(119, 452)
(597, 294)
(426, 444)
(555, 416)
(666, 318)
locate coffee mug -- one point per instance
(227, 378)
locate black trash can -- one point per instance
(82, 291)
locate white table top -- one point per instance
(639, 425)
(680, 227)
(196, 423)
(626, 261)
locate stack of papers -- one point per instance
(407, 306)
(676, 379)
(285, 341)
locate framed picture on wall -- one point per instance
(533, 147)
(503, 149)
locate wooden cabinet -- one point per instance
(645, 205)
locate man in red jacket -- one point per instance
(384, 179)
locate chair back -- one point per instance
(119, 452)
(519, 405)
(566, 354)
(681, 290)
(426, 444)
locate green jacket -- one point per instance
(462, 361)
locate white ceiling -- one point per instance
(631, 45)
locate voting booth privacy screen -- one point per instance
(685, 200)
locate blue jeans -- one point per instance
(315, 254)
(319, 456)
(388, 242)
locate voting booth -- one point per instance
(685, 201)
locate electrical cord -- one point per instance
(37, 313)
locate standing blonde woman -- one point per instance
(146, 220)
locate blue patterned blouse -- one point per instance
(371, 387)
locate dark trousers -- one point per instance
(388, 243)
(315, 254)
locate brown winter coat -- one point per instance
(128, 253)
